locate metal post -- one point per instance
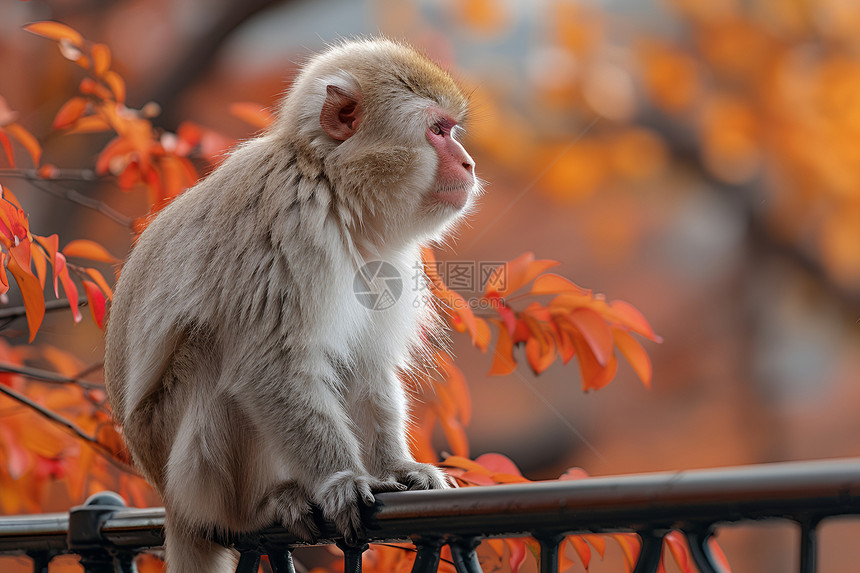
(549, 552)
(85, 536)
(808, 545)
(652, 551)
(427, 558)
(352, 556)
(464, 556)
(282, 560)
(249, 562)
(700, 550)
(41, 559)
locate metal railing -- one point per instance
(107, 535)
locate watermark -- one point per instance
(378, 285)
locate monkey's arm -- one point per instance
(297, 400)
(381, 417)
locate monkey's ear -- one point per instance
(341, 113)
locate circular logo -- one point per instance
(377, 285)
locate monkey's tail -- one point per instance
(188, 553)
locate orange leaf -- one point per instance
(596, 541)
(7, 147)
(503, 356)
(4, 280)
(554, 284)
(594, 375)
(116, 85)
(464, 463)
(677, 545)
(100, 280)
(27, 140)
(629, 543)
(86, 249)
(595, 331)
(55, 31)
(31, 291)
(517, 273)
(101, 59)
(96, 300)
(50, 244)
(581, 548)
(89, 124)
(635, 355)
(38, 257)
(252, 113)
(71, 111)
(629, 316)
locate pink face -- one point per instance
(455, 176)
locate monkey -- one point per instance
(249, 381)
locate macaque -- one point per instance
(249, 380)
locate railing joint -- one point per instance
(85, 531)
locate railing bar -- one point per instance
(700, 549)
(282, 561)
(808, 543)
(249, 562)
(464, 556)
(652, 550)
(428, 556)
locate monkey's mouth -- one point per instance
(455, 196)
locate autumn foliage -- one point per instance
(61, 432)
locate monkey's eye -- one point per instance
(436, 128)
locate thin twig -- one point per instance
(48, 376)
(87, 175)
(59, 304)
(88, 202)
(68, 425)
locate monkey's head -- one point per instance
(382, 121)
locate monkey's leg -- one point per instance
(187, 552)
(382, 423)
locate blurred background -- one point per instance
(698, 159)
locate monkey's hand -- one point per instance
(416, 475)
(340, 494)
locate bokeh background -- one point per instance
(699, 159)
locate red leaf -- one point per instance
(518, 553)
(674, 540)
(581, 548)
(86, 249)
(55, 31)
(497, 463)
(96, 300)
(62, 272)
(100, 280)
(31, 291)
(71, 111)
(7, 147)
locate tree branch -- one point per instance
(68, 425)
(48, 376)
(51, 305)
(80, 199)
